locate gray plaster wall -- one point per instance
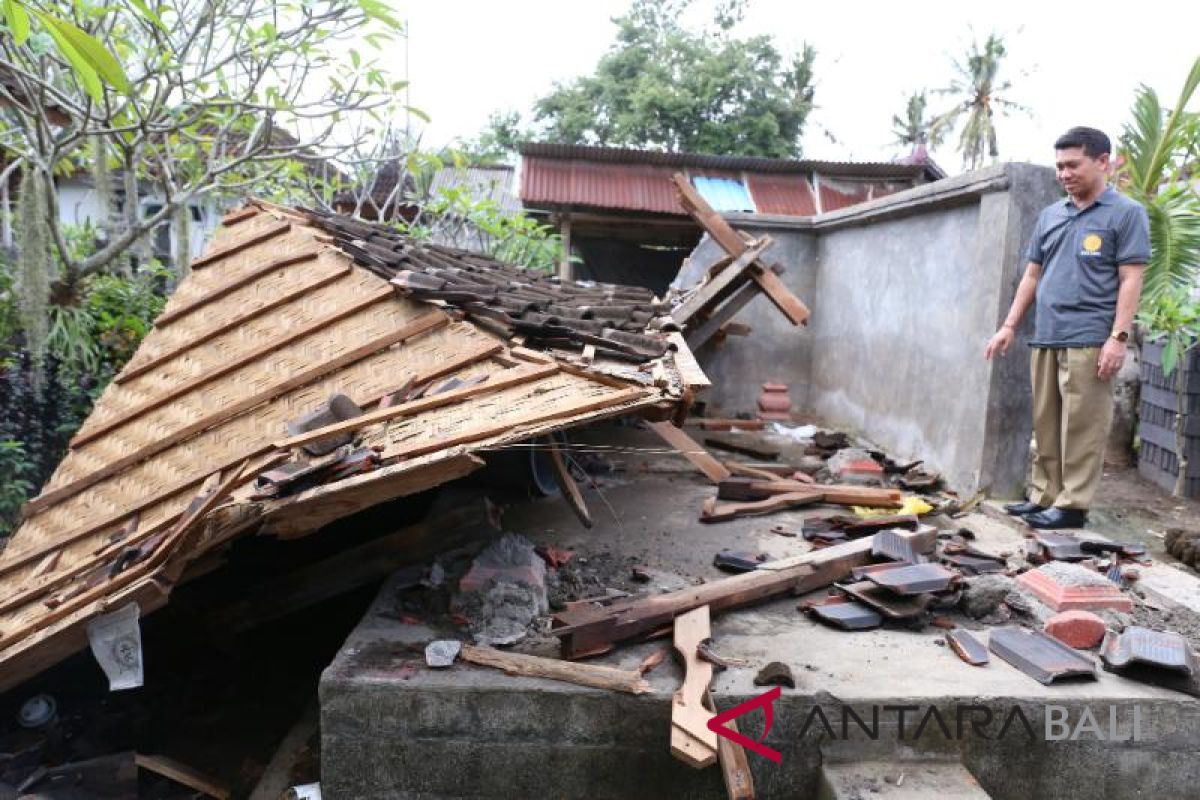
(775, 350)
(905, 292)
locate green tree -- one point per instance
(979, 96)
(223, 98)
(497, 142)
(663, 86)
(1157, 157)
(915, 127)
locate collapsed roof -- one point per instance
(310, 366)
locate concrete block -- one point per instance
(1079, 629)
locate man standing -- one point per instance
(1086, 260)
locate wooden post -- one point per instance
(566, 270)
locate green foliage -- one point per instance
(15, 487)
(662, 86)
(456, 215)
(915, 127)
(1157, 158)
(92, 334)
(1172, 317)
(497, 142)
(979, 96)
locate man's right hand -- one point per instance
(999, 343)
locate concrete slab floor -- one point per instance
(394, 730)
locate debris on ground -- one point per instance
(775, 673)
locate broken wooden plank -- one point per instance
(425, 324)
(761, 452)
(485, 432)
(494, 383)
(735, 766)
(276, 778)
(722, 284)
(303, 513)
(723, 513)
(836, 493)
(596, 676)
(566, 483)
(778, 293)
(184, 775)
(690, 372)
(691, 740)
(134, 370)
(244, 244)
(748, 471)
(175, 314)
(726, 424)
(241, 360)
(721, 315)
(594, 629)
(690, 449)
(731, 242)
(712, 222)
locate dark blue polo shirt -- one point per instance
(1080, 252)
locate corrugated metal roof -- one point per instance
(790, 195)
(840, 194)
(490, 183)
(724, 194)
(633, 187)
(621, 155)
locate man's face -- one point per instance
(1078, 172)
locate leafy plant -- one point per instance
(1157, 158)
(455, 215)
(15, 470)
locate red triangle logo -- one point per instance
(764, 701)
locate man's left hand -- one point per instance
(1112, 356)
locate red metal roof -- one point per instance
(782, 194)
(633, 187)
(633, 180)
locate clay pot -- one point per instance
(774, 403)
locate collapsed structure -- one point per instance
(395, 364)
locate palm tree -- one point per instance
(914, 128)
(1158, 157)
(977, 92)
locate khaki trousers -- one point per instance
(1072, 411)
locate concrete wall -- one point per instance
(905, 292)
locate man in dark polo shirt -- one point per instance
(1086, 259)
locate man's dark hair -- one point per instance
(1094, 143)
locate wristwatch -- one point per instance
(1120, 336)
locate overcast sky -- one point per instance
(1070, 63)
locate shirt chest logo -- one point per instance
(1091, 244)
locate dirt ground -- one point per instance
(1130, 507)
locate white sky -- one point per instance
(1071, 63)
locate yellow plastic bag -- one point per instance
(912, 505)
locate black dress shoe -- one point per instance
(1023, 508)
(1053, 518)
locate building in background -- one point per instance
(618, 214)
